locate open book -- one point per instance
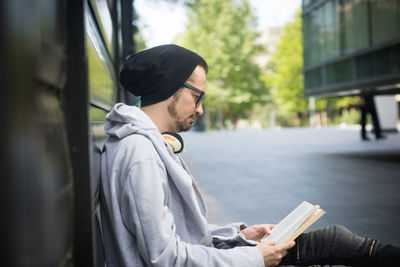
(295, 223)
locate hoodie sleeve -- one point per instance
(230, 234)
(225, 232)
(147, 217)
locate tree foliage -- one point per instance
(222, 32)
(285, 76)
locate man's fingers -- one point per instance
(270, 243)
(287, 245)
(269, 226)
(266, 228)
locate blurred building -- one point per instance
(352, 47)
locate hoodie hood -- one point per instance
(124, 120)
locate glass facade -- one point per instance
(322, 34)
(102, 81)
(350, 42)
(330, 31)
(103, 17)
(312, 45)
(101, 56)
(309, 2)
(355, 19)
(385, 16)
(339, 72)
(313, 78)
(379, 63)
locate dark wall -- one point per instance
(37, 196)
(53, 97)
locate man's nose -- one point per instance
(199, 110)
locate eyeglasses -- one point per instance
(197, 90)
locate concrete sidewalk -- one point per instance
(260, 176)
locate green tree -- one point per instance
(222, 32)
(339, 109)
(285, 76)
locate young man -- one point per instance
(153, 214)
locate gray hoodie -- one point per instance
(152, 212)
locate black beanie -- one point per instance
(157, 73)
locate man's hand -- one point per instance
(256, 232)
(272, 253)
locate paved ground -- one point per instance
(260, 176)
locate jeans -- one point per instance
(332, 245)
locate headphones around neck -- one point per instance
(174, 140)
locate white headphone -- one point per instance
(174, 140)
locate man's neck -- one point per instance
(153, 112)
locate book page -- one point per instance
(290, 223)
(304, 226)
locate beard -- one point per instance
(181, 126)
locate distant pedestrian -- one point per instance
(367, 105)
